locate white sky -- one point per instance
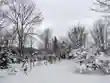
(61, 14)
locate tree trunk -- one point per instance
(21, 47)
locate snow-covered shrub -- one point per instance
(95, 64)
(91, 63)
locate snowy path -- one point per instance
(56, 73)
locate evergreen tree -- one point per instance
(55, 45)
(4, 60)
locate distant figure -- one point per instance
(98, 52)
(80, 62)
(25, 69)
(82, 67)
(95, 54)
(25, 60)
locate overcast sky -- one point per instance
(61, 14)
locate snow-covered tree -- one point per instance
(23, 17)
(102, 6)
(77, 36)
(99, 34)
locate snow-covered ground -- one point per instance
(61, 72)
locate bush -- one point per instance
(4, 61)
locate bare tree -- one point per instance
(77, 36)
(101, 6)
(3, 25)
(23, 17)
(99, 34)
